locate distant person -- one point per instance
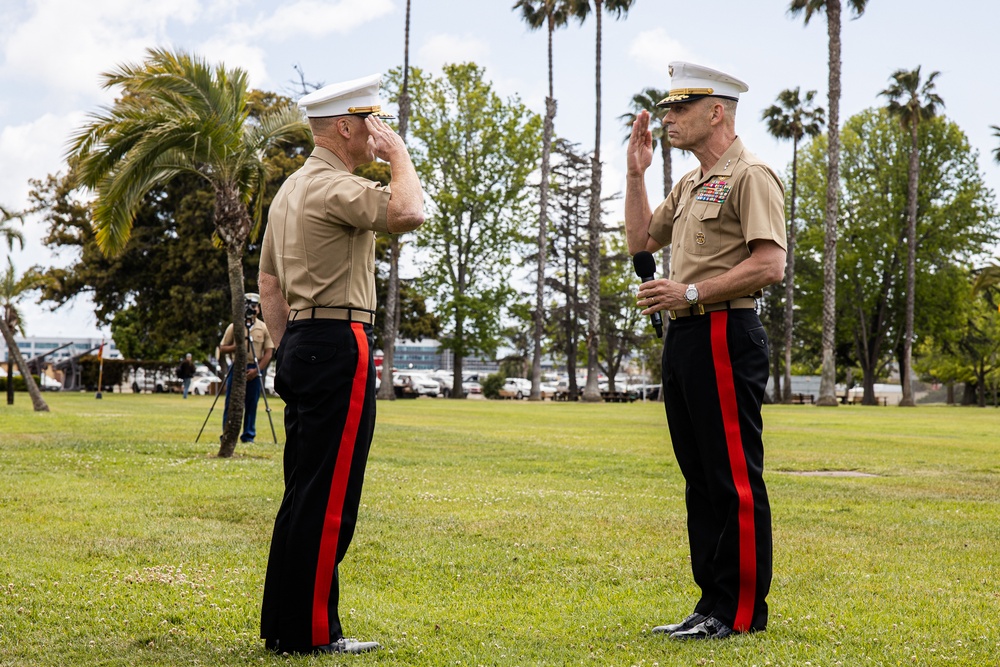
(725, 223)
(263, 348)
(185, 372)
(317, 284)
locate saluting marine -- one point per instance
(725, 224)
(317, 286)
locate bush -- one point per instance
(18, 382)
(492, 385)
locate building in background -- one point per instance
(55, 349)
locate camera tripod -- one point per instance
(251, 354)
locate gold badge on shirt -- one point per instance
(714, 192)
(699, 238)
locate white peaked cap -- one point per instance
(357, 96)
(690, 82)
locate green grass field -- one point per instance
(495, 533)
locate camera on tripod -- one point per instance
(252, 302)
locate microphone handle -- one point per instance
(656, 319)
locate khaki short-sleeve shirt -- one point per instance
(320, 237)
(709, 219)
(259, 334)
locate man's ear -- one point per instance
(344, 127)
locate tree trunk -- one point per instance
(543, 223)
(237, 394)
(906, 365)
(828, 377)
(790, 278)
(390, 329)
(592, 392)
(14, 354)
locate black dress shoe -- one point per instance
(688, 623)
(710, 628)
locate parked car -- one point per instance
(203, 380)
(412, 385)
(547, 390)
(515, 388)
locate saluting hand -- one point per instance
(640, 145)
(382, 139)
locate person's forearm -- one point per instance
(406, 204)
(274, 306)
(765, 266)
(637, 214)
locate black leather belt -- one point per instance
(702, 308)
(333, 313)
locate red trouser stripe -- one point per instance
(738, 465)
(338, 490)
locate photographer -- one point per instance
(263, 348)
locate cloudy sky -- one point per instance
(53, 51)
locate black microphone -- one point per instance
(645, 268)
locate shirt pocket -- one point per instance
(705, 235)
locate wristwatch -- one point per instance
(691, 295)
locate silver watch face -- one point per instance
(691, 294)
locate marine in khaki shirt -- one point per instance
(317, 287)
(320, 237)
(725, 224)
(710, 219)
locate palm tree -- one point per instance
(792, 118)
(179, 115)
(581, 9)
(552, 14)
(12, 289)
(912, 102)
(390, 328)
(6, 231)
(827, 392)
(996, 151)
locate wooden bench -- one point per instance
(802, 399)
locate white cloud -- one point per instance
(315, 18)
(65, 44)
(656, 49)
(35, 148)
(447, 49)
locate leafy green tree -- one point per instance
(474, 153)
(582, 9)
(167, 292)
(13, 288)
(912, 102)
(552, 14)
(178, 116)
(832, 9)
(568, 249)
(970, 351)
(957, 222)
(795, 118)
(623, 327)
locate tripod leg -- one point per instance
(267, 406)
(213, 403)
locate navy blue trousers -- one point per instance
(249, 405)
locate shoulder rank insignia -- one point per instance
(713, 191)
